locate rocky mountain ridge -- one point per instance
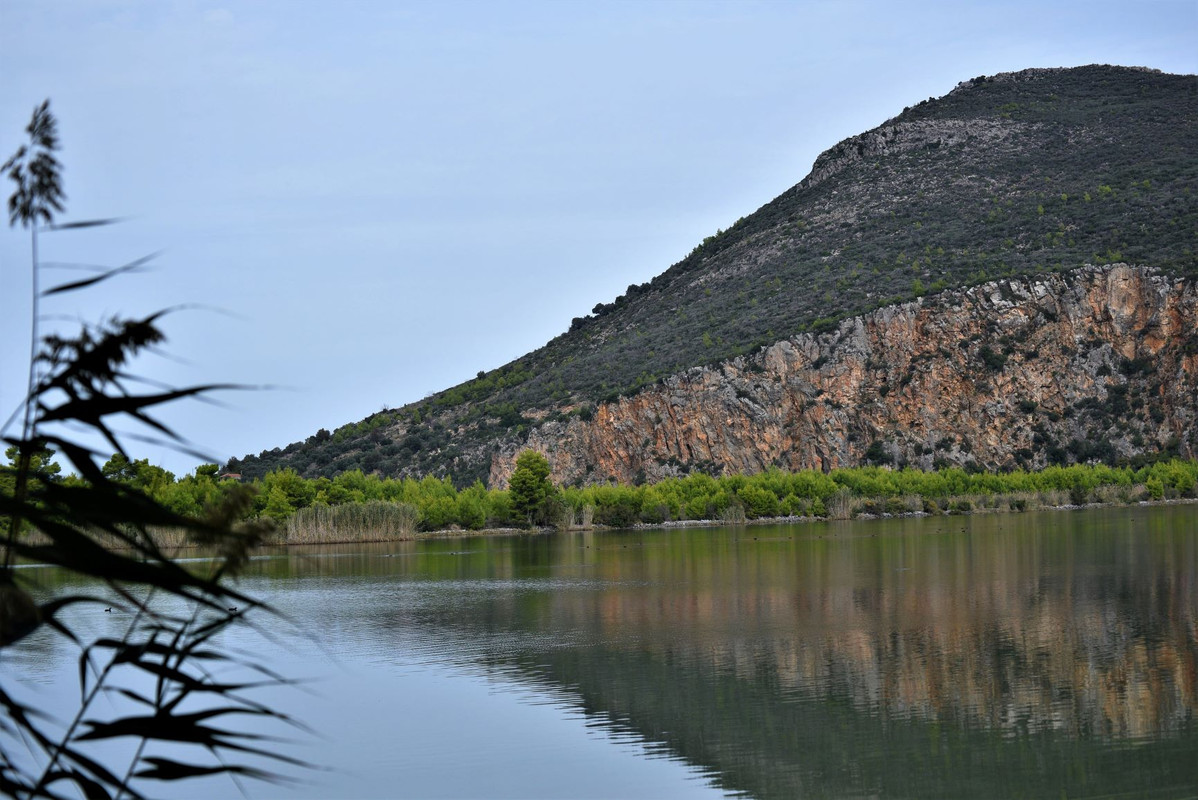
(1003, 178)
(1098, 363)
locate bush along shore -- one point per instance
(357, 507)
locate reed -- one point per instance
(1118, 494)
(580, 519)
(734, 514)
(375, 521)
(167, 539)
(843, 504)
(1054, 498)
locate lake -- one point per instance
(1014, 655)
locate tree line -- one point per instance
(533, 500)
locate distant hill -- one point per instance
(1019, 174)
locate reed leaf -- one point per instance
(98, 528)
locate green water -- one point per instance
(1026, 655)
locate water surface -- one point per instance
(1041, 654)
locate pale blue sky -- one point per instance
(384, 198)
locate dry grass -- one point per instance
(734, 514)
(1123, 495)
(357, 522)
(1054, 498)
(581, 520)
(166, 539)
(843, 505)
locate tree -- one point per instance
(277, 506)
(99, 527)
(530, 487)
(41, 463)
(207, 471)
(298, 492)
(150, 478)
(30, 472)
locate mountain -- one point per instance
(1008, 184)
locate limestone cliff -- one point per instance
(1098, 363)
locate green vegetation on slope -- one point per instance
(1019, 174)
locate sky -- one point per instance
(354, 205)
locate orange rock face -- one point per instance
(1093, 364)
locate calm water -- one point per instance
(1034, 655)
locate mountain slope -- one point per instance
(1020, 174)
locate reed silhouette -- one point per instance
(79, 383)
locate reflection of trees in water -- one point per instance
(1073, 629)
(998, 663)
(1011, 658)
(779, 716)
(1038, 662)
(1088, 678)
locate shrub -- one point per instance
(793, 506)
(698, 508)
(759, 502)
(471, 511)
(1155, 488)
(439, 513)
(499, 509)
(876, 453)
(993, 360)
(624, 512)
(961, 505)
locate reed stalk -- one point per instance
(373, 521)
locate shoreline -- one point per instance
(181, 549)
(451, 533)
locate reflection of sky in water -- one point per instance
(398, 716)
(1037, 653)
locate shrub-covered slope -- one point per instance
(1017, 174)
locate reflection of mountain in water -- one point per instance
(993, 662)
(1017, 655)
